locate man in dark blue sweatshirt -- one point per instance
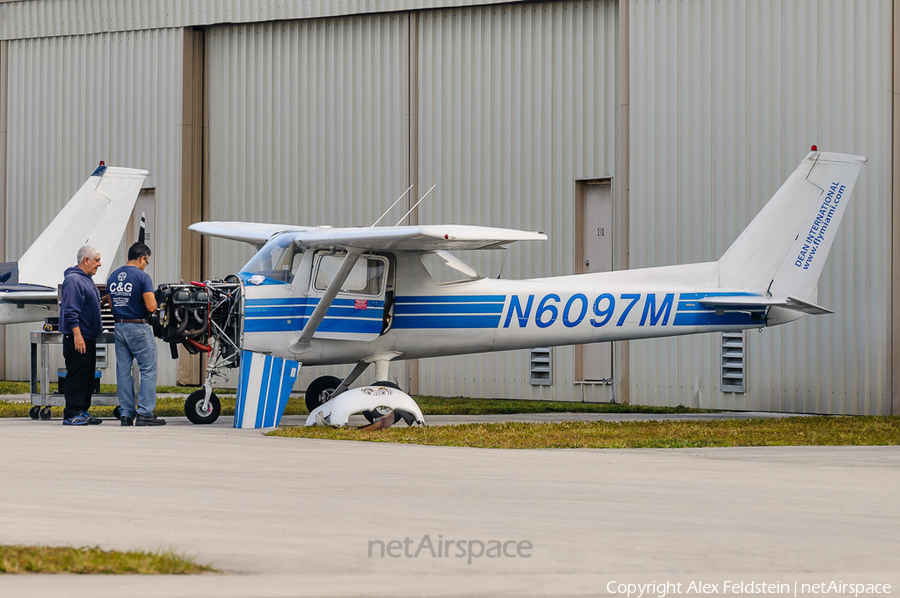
(79, 322)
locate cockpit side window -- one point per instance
(366, 277)
(277, 259)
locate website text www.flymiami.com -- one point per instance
(662, 589)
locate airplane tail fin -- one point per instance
(96, 215)
(783, 250)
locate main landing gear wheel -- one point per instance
(45, 413)
(34, 412)
(371, 416)
(320, 391)
(193, 408)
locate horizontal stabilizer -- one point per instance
(755, 303)
(806, 307)
(27, 294)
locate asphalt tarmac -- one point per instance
(300, 517)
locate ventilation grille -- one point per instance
(541, 369)
(733, 364)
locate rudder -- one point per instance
(783, 250)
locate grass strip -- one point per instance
(791, 431)
(174, 407)
(12, 387)
(44, 559)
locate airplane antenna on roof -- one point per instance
(415, 206)
(392, 206)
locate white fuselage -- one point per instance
(412, 316)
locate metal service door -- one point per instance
(597, 248)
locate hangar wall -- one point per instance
(495, 87)
(77, 100)
(308, 124)
(510, 104)
(515, 103)
(726, 98)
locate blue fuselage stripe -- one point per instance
(455, 299)
(451, 308)
(442, 321)
(713, 319)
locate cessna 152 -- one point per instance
(96, 215)
(324, 296)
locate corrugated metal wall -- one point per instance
(45, 18)
(72, 102)
(726, 98)
(515, 104)
(308, 125)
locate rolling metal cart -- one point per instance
(41, 397)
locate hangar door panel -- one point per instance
(597, 243)
(308, 124)
(515, 102)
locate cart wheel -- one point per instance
(193, 408)
(45, 413)
(33, 412)
(117, 413)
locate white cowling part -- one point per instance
(338, 410)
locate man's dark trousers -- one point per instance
(80, 368)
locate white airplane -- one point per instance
(96, 215)
(325, 296)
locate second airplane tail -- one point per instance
(96, 215)
(782, 251)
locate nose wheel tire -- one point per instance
(194, 408)
(320, 391)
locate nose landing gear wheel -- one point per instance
(193, 408)
(320, 391)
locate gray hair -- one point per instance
(87, 252)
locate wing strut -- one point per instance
(327, 299)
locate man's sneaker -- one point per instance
(78, 420)
(150, 420)
(127, 421)
(91, 419)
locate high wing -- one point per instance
(255, 233)
(415, 238)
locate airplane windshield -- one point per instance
(446, 268)
(277, 259)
